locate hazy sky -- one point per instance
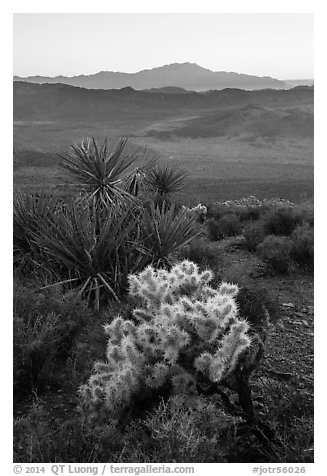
(278, 45)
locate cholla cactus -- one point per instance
(197, 211)
(184, 331)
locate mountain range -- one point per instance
(189, 76)
(163, 113)
(63, 102)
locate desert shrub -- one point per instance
(254, 304)
(307, 210)
(302, 251)
(290, 415)
(282, 222)
(254, 235)
(182, 431)
(45, 325)
(185, 332)
(212, 229)
(248, 213)
(275, 252)
(177, 430)
(217, 211)
(228, 225)
(38, 437)
(200, 252)
(244, 213)
(31, 436)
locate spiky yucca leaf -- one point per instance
(98, 259)
(29, 210)
(165, 231)
(98, 171)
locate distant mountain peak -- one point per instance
(176, 67)
(186, 65)
(189, 76)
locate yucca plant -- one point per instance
(97, 255)
(135, 181)
(164, 231)
(29, 211)
(164, 181)
(98, 171)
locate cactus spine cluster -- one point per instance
(184, 330)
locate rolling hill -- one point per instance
(250, 121)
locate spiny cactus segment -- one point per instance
(184, 330)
